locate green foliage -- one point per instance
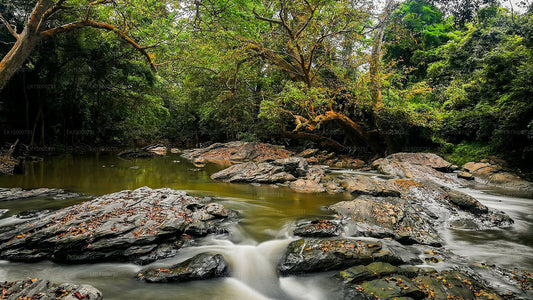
(417, 30)
(484, 84)
(454, 72)
(465, 152)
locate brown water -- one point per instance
(268, 214)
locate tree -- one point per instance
(483, 81)
(306, 41)
(417, 30)
(49, 18)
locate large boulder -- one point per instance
(44, 289)
(418, 166)
(160, 150)
(365, 185)
(466, 202)
(228, 153)
(409, 211)
(496, 175)
(306, 178)
(254, 172)
(314, 255)
(139, 226)
(199, 267)
(389, 217)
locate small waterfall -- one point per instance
(254, 266)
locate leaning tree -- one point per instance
(132, 21)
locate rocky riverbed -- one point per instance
(413, 204)
(43, 289)
(141, 226)
(386, 240)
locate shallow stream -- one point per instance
(267, 216)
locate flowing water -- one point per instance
(268, 215)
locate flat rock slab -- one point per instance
(318, 255)
(250, 172)
(199, 267)
(44, 289)
(7, 194)
(140, 226)
(228, 153)
(384, 281)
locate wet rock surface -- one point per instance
(409, 211)
(7, 194)
(301, 176)
(389, 217)
(139, 226)
(276, 171)
(200, 267)
(313, 255)
(384, 281)
(318, 228)
(44, 289)
(228, 153)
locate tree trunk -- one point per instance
(322, 140)
(16, 57)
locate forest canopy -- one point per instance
(350, 76)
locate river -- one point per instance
(267, 216)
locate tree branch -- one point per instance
(11, 30)
(259, 17)
(104, 26)
(52, 10)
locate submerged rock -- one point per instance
(132, 154)
(44, 289)
(7, 194)
(123, 226)
(199, 267)
(314, 255)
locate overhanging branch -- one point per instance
(104, 26)
(10, 28)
